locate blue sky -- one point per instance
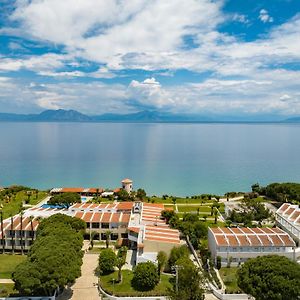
(221, 57)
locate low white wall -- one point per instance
(127, 298)
(223, 296)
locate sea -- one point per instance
(163, 158)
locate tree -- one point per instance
(12, 234)
(92, 237)
(107, 261)
(2, 230)
(120, 262)
(219, 262)
(141, 194)
(107, 237)
(177, 253)
(189, 282)
(174, 200)
(270, 277)
(65, 199)
(162, 259)
(31, 227)
(54, 259)
(145, 276)
(21, 231)
(123, 195)
(168, 214)
(255, 188)
(216, 213)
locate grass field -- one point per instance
(14, 205)
(6, 289)
(229, 278)
(125, 288)
(193, 208)
(8, 264)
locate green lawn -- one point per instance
(125, 288)
(6, 289)
(8, 264)
(229, 278)
(14, 205)
(193, 208)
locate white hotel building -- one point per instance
(288, 218)
(240, 244)
(138, 223)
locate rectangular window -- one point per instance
(114, 237)
(104, 225)
(124, 235)
(95, 225)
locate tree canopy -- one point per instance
(145, 276)
(55, 258)
(65, 199)
(176, 254)
(190, 282)
(107, 260)
(270, 278)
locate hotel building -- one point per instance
(288, 218)
(236, 245)
(138, 223)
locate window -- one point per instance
(124, 235)
(95, 225)
(114, 236)
(104, 225)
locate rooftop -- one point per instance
(255, 237)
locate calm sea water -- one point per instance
(177, 159)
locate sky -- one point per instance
(206, 57)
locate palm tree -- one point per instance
(107, 237)
(120, 262)
(21, 231)
(2, 229)
(92, 237)
(31, 218)
(216, 213)
(12, 234)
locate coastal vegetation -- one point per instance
(189, 283)
(282, 192)
(54, 259)
(145, 276)
(65, 199)
(13, 199)
(251, 210)
(270, 278)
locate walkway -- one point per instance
(85, 287)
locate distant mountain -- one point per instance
(62, 115)
(59, 115)
(294, 119)
(151, 116)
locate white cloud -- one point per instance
(150, 35)
(265, 17)
(240, 18)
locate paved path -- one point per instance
(85, 286)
